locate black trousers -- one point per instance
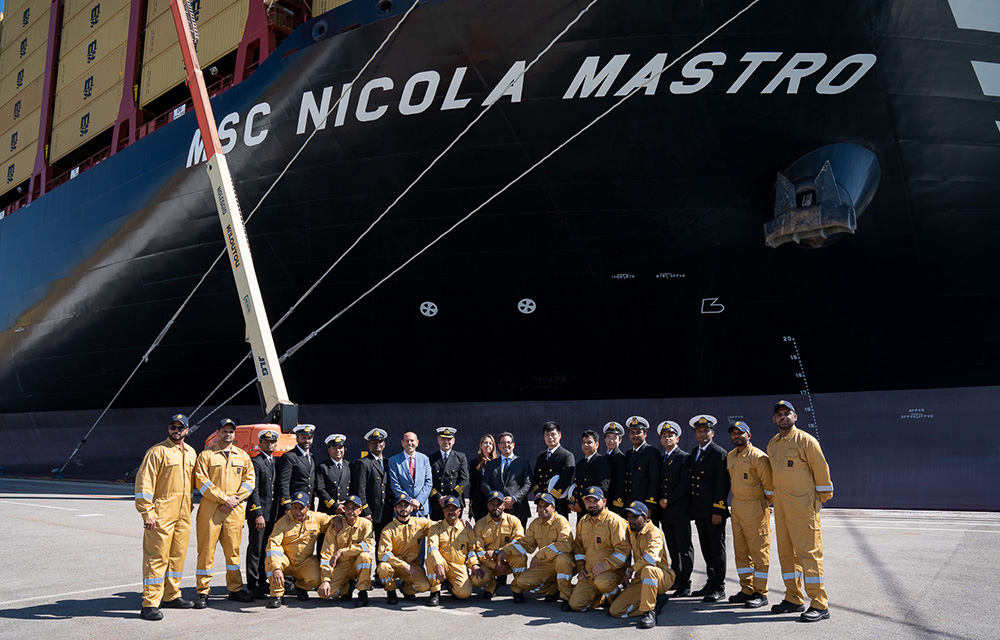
(681, 550)
(256, 544)
(712, 539)
(562, 507)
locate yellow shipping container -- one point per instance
(322, 6)
(21, 136)
(161, 34)
(95, 118)
(203, 9)
(20, 105)
(219, 36)
(17, 21)
(22, 75)
(105, 9)
(17, 168)
(80, 27)
(100, 44)
(24, 45)
(89, 86)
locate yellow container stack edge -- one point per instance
(20, 105)
(22, 76)
(17, 21)
(101, 43)
(28, 43)
(18, 168)
(103, 76)
(87, 22)
(83, 125)
(218, 36)
(161, 34)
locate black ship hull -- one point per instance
(628, 273)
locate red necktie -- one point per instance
(413, 470)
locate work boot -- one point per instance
(240, 596)
(362, 600)
(177, 603)
(552, 597)
(301, 594)
(714, 596)
(409, 596)
(518, 598)
(739, 598)
(487, 595)
(346, 597)
(661, 601)
(755, 601)
(390, 597)
(564, 606)
(434, 600)
(787, 607)
(201, 601)
(648, 620)
(151, 613)
(813, 614)
(275, 602)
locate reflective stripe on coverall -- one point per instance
(599, 540)
(455, 549)
(400, 546)
(357, 546)
(554, 542)
(290, 549)
(493, 536)
(651, 573)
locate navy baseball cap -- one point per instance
(451, 501)
(546, 497)
(783, 403)
(179, 417)
(593, 492)
(354, 500)
(302, 498)
(637, 508)
(739, 425)
(495, 495)
(402, 498)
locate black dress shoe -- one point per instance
(552, 597)
(704, 591)
(390, 597)
(565, 606)
(684, 592)
(201, 601)
(240, 596)
(648, 620)
(362, 600)
(301, 594)
(275, 601)
(487, 595)
(151, 613)
(787, 607)
(755, 601)
(813, 614)
(518, 598)
(434, 600)
(714, 596)
(177, 603)
(739, 598)
(260, 594)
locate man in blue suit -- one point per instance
(410, 474)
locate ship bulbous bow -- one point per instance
(819, 199)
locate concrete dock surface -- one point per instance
(70, 567)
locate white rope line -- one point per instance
(166, 328)
(405, 191)
(593, 122)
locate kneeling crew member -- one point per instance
(497, 529)
(399, 547)
(451, 551)
(290, 550)
(551, 570)
(348, 548)
(650, 573)
(750, 478)
(601, 553)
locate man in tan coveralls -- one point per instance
(801, 485)
(399, 545)
(750, 480)
(348, 549)
(224, 476)
(601, 553)
(451, 552)
(651, 575)
(163, 498)
(290, 549)
(551, 570)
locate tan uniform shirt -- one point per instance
(798, 468)
(163, 482)
(493, 536)
(550, 538)
(601, 540)
(400, 542)
(294, 539)
(750, 474)
(350, 541)
(456, 545)
(218, 476)
(648, 548)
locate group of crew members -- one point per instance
(329, 527)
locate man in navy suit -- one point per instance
(511, 476)
(675, 506)
(450, 471)
(370, 481)
(709, 497)
(410, 474)
(262, 513)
